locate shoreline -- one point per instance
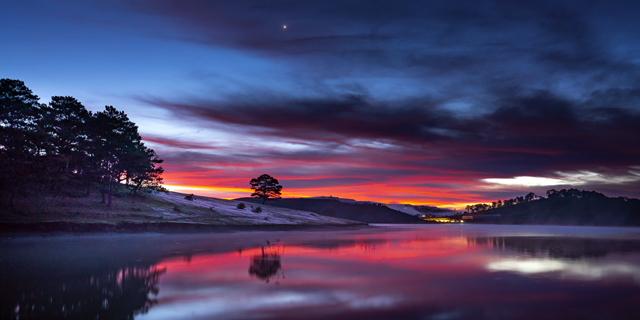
(65, 227)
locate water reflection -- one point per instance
(563, 257)
(559, 247)
(427, 272)
(367, 246)
(117, 294)
(268, 265)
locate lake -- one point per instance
(382, 272)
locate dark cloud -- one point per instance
(493, 88)
(438, 37)
(175, 143)
(338, 118)
(326, 182)
(531, 132)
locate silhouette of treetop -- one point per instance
(265, 187)
(61, 148)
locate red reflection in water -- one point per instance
(408, 274)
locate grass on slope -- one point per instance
(163, 207)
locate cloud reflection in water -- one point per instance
(584, 270)
(412, 275)
(389, 272)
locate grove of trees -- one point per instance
(479, 207)
(61, 148)
(564, 207)
(551, 194)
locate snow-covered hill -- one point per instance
(225, 212)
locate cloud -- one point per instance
(527, 181)
(175, 143)
(436, 38)
(543, 141)
(543, 130)
(566, 269)
(568, 179)
(516, 94)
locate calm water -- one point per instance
(387, 272)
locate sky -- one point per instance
(441, 103)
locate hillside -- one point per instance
(154, 209)
(596, 210)
(334, 208)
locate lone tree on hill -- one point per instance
(265, 187)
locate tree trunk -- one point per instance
(135, 189)
(263, 200)
(13, 196)
(110, 188)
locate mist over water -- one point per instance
(408, 272)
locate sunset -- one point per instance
(443, 104)
(319, 159)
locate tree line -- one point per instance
(551, 194)
(62, 148)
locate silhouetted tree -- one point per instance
(114, 137)
(65, 122)
(62, 145)
(267, 265)
(529, 197)
(21, 140)
(265, 187)
(116, 294)
(121, 154)
(480, 207)
(144, 172)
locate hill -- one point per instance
(369, 213)
(146, 211)
(571, 207)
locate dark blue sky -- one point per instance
(440, 102)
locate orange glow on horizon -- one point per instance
(377, 195)
(456, 191)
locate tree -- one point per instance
(143, 171)
(265, 187)
(65, 122)
(529, 197)
(62, 146)
(120, 153)
(553, 193)
(21, 140)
